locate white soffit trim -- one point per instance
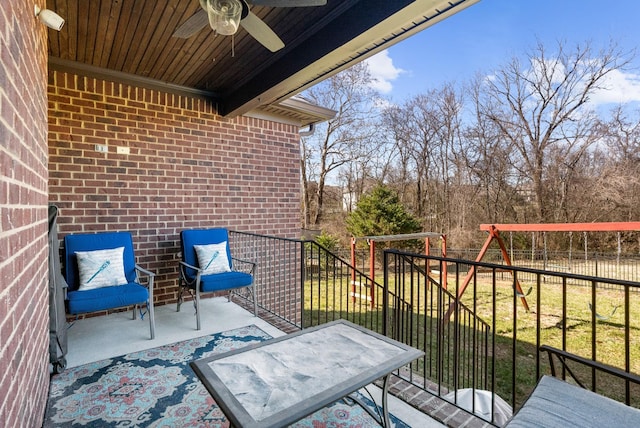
(293, 111)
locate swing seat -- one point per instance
(518, 294)
(602, 317)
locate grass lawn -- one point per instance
(606, 339)
(569, 306)
(515, 341)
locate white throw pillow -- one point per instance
(213, 258)
(101, 268)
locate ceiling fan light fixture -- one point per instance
(224, 15)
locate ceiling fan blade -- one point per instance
(261, 32)
(289, 3)
(192, 25)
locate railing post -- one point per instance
(302, 279)
(372, 270)
(385, 295)
(353, 270)
(427, 253)
(444, 273)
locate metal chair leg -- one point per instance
(180, 298)
(255, 299)
(152, 319)
(198, 307)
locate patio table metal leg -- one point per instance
(385, 407)
(381, 413)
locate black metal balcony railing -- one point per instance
(456, 351)
(623, 266)
(485, 340)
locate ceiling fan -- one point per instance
(224, 17)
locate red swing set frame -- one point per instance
(494, 233)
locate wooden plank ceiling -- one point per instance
(134, 38)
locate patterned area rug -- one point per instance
(157, 388)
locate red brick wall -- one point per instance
(24, 316)
(187, 167)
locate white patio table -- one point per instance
(280, 381)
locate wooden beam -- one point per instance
(399, 237)
(564, 227)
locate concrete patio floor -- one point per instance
(97, 338)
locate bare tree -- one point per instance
(615, 185)
(344, 139)
(402, 175)
(490, 162)
(449, 106)
(541, 109)
(522, 145)
(367, 171)
(425, 130)
(414, 129)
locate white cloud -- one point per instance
(542, 67)
(383, 72)
(618, 87)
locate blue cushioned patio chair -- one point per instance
(194, 276)
(85, 270)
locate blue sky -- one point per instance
(486, 35)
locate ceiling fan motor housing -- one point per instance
(224, 15)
